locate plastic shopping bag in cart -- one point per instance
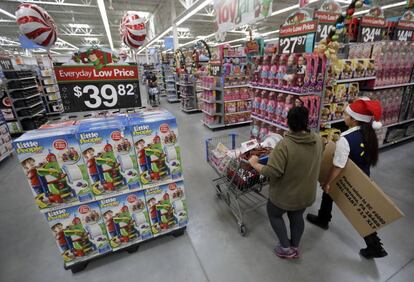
(153, 91)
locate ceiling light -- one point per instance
(270, 32)
(67, 43)
(197, 7)
(271, 39)
(91, 39)
(8, 40)
(140, 14)
(232, 41)
(284, 10)
(76, 25)
(402, 3)
(154, 40)
(183, 29)
(198, 39)
(7, 13)
(104, 16)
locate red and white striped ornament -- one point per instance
(36, 24)
(133, 30)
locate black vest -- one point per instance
(357, 152)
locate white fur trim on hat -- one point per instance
(376, 125)
(357, 116)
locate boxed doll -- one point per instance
(107, 151)
(156, 147)
(79, 231)
(53, 165)
(126, 218)
(167, 207)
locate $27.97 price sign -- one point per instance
(371, 29)
(84, 88)
(298, 38)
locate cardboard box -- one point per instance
(362, 202)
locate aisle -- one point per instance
(212, 249)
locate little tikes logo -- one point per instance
(116, 135)
(142, 130)
(59, 214)
(60, 144)
(164, 128)
(132, 199)
(91, 137)
(172, 186)
(28, 147)
(83, 209)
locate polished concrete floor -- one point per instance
(212, 249)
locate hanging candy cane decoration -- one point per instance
(36, 24)
(133, 30)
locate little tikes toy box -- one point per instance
(109, 157)
(156, 147)
(126, 219)
(167, 207)
(52, 162)
(79, 231)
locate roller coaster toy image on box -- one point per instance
(79, 231)
(167, 207)
(107, 154)
(52, 163)
(156, 147)
(126, 219)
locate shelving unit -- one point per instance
(188, 94)
(51, 94)
(6, 147)
(169, 83)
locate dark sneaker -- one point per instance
(370, 252)
(286, 253)
(314, 219)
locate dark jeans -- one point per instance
(297, 224)
(325, 215)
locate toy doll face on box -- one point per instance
(52, 163)
(125, 218)
(157, 149)
(79, 231)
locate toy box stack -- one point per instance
(94, 179)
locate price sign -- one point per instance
(371, 29)
(215, 70)
(326, 22)
(404, 31)
(298, 38)
(85, 88)
(5, 63)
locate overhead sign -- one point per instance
(231, 14)
(326, 22)
(371, 29)
(297, 38)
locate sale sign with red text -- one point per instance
(97, 80)
(231, 14)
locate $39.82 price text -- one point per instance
(107, 94)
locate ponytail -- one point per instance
(370, 141)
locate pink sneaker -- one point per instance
(287, 253)
(297, 254)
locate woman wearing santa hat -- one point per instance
(359, 143)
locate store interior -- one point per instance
(119, 131)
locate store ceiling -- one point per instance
(80, 23)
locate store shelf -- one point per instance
(389, 86)
(270, 122)
(340, 81)
(236, 86)
(234, 56)
(237, 123)
(231, 113)
(212, 114)
(169, 80)
(398, 123)
(29, 107)
(34, 95)
(396, 141)
(190, 110)
(54, 113)
(209, 88)
(332, 121)
(21, 78)
(185, 84)
(213, 126)
(36, 114)
(173, 100)
(285, 91)
(237, 100)
(211, 102)
(24, 88)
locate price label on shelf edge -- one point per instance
(298, 38)
(326, 22)
(404, 31)
(371, 29)
(85, 88)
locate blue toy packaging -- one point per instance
(79, 231)
(52, 162)
(109, 157)
(156, 147)
(126, 218)
(167, 207)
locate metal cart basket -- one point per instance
(238, 184)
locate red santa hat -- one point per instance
(365, 110)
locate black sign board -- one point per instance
(298, 38)
(371, 29)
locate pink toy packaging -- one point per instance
(263, 105)
(289, 103)
(291, 69)
(280, 105)
(264, 131)
(273, 70)
(271, 106)
(257, 102)
(309, 70)
(265, 71)
(167, 207)
(282, 70)
(79, 232)
(254, 131)
(300, 71)
(126, 219)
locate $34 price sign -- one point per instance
(107, 94)
(371, 29)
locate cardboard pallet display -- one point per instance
(362, 202)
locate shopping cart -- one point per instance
(154, 96)
(239, 185)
